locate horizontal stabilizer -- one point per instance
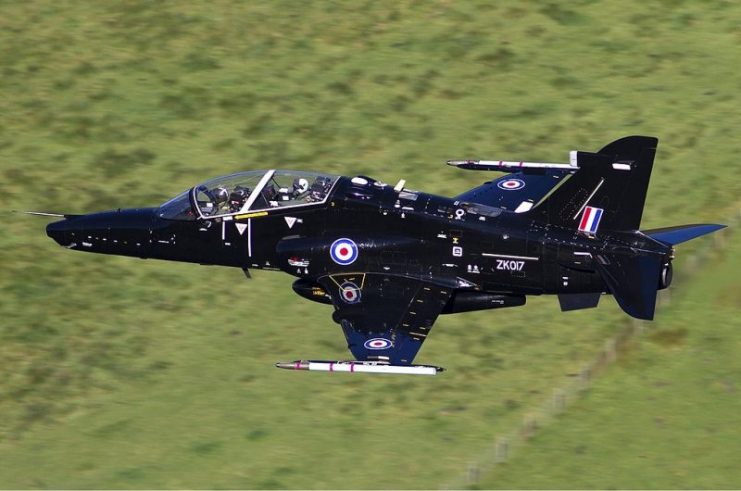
(682, 233)
(633, 281)
(578, 301)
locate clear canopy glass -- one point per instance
(249, 191)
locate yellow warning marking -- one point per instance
(336, 278)
(251, 215)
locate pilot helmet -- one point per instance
(238, 197)
(300, 185)
(240, 192)
(220, 194)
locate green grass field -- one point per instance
(122, 373)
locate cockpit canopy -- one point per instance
(247, 192)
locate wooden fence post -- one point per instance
(473, 475)
(610, 350)
(559, 399)
(502, 450)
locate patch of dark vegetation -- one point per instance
(565, 82)
(205, 448)
(284, 471)
(36, 411)
(200, 61)
(400, 103)
(342, 88)
(113, 428)
(35, 332)
(511, 404)
(99, 199)
(257, 126)
(271, 483)
(223, 144)
(64, 84)
(84, 68)
(563, 16)
(238, 104)
(38, 374)
(450, 94)
(256, 434)
(456, 408)
(535, 110)
(669, 338)
(178, 105)
(502, 58)
(160, 365)
(131, 474)
(79, 127)
(277, 152)
(424, 83)
(114, 163)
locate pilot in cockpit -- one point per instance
(300, 187)
(220, 195)
(237, 198)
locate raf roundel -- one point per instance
(377, 343)
(343, 251)
(349, 292)
(511, 184)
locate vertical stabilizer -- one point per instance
(608, 190)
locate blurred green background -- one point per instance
(122, 373)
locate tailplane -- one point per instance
(682, 233)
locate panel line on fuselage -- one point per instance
(509, 256)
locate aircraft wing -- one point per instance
(384, 317)
(514, 191)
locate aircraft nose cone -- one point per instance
(124, 232)
(59, 231)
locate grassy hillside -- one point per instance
(118, 372)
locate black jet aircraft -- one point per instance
(390, 259)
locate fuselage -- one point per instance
(398, 232)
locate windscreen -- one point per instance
(178, 208)
(249, 191)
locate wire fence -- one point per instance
(539, 416)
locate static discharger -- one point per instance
(358, 367)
